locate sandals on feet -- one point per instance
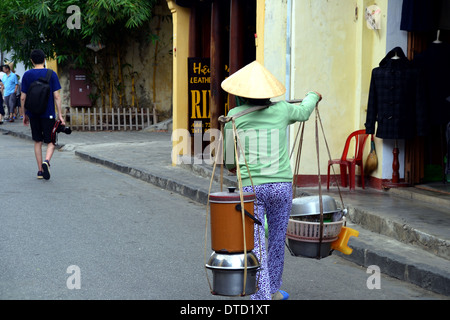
(280, 295)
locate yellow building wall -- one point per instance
(272, 19)
(260, 30)
(52, 64)
(333, 52)
(180, 19)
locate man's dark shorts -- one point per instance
(41, 129)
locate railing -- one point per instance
(97, 119)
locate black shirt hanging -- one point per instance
(396, 99)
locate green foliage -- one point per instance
(29, 24)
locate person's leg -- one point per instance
(50, 150)
(46, 169)
(12, 107)
(8, 108)
(2, 110)
(47, 125)
(259, 250)
(38, 154)
(278, 210)
(275, 200)
(36, 134)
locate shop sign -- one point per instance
(199, 77)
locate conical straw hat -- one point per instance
(253, 81)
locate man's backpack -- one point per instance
(38, 94)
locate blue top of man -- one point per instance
(34, 74)
(10, 82)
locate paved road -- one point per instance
(127, 239)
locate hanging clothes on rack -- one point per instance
(420, 15)
(434, 63)
(444, 15)
(396, 99)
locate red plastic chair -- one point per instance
(349, 165)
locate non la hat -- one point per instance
(253, 81)
(9, 65)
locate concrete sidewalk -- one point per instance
(405, 231)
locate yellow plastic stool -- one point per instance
(341, 243)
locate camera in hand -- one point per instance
(57, 128)
(63, 128)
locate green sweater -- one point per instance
(263, 135)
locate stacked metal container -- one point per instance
(307, 235)
(233, 264)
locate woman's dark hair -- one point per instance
(259, 102)
(37, 56)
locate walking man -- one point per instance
(10, 87)
(42, 124)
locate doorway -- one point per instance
(223, 31)
(427, 157)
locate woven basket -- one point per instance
(302, 230)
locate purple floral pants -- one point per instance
(275, 200)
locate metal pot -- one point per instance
(228, 273)
(308, 209)
(227, 234)
(310, 249)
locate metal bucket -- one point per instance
(229, 273)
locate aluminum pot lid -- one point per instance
(310, 205)
(234, 261)
(232, 195)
